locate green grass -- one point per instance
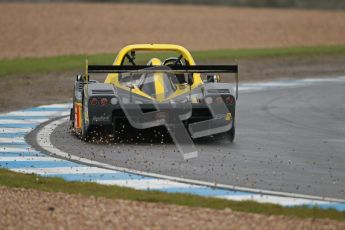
(12, 179)
(29, 66)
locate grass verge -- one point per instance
(23, 66)
(12, 179)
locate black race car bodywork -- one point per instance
(156, 94)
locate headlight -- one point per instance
(93, 101)
(229, 100)
(218, 100)
(208, 100)
(114, 101)
(103, 101)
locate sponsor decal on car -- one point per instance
(101, 118)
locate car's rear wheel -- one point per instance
(71, 119)
(85, 130)
(231, 134)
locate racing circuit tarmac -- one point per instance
(289, 140)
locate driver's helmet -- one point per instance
(174, 61)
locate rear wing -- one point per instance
(166, 69)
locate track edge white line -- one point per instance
(43, 141)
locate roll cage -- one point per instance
(126, 52)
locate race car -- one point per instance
(145, 91)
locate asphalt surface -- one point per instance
(289, 140)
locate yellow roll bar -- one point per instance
(113, 78)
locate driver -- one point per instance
(174, 61)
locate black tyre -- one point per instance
(85, 130)
(71, 119)
(231, 134)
